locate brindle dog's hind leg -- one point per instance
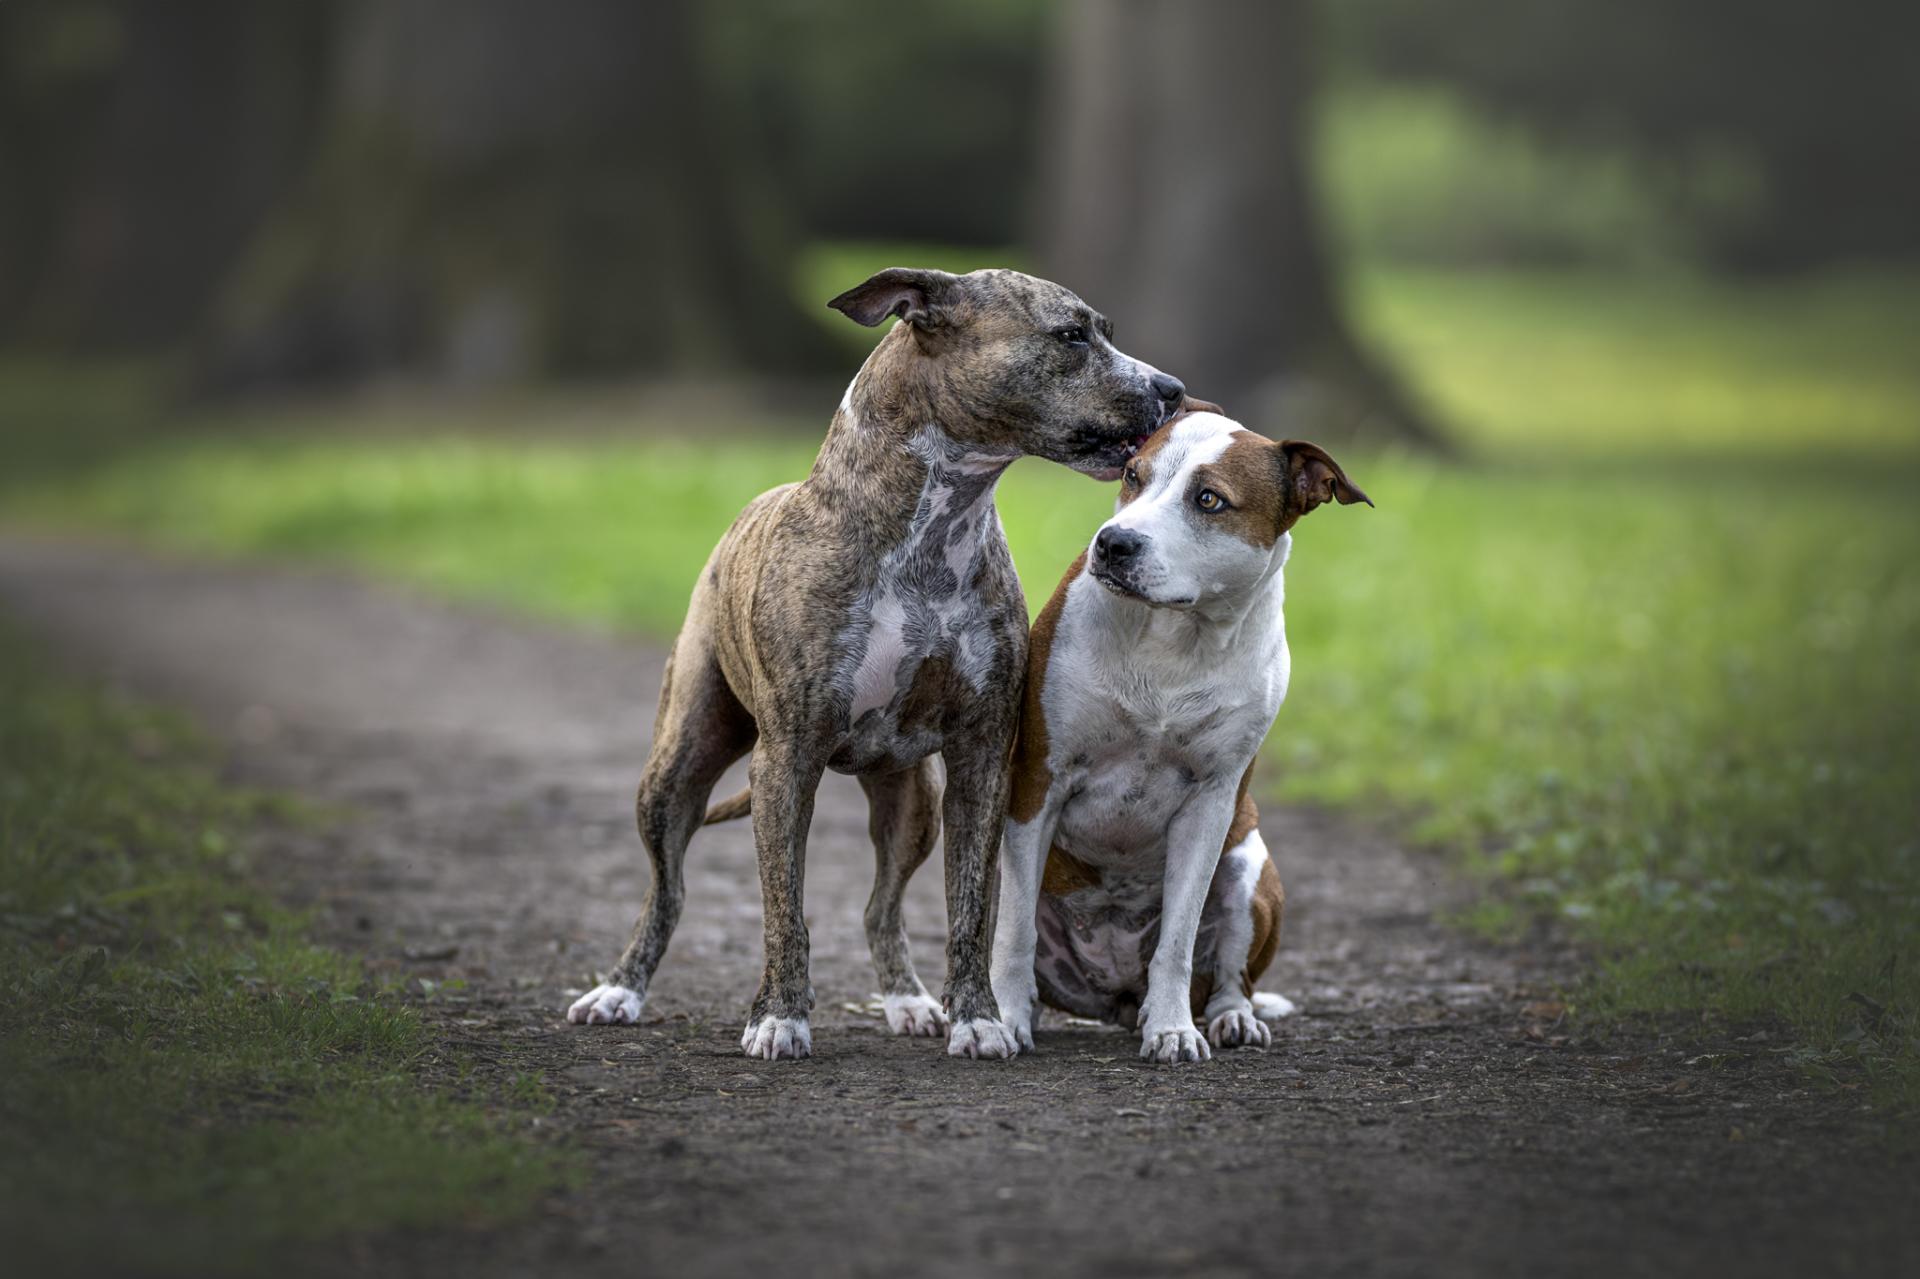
(700, 730)
(904, 820)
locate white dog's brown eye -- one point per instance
(1209, 501)
(1131, 478)
(1072, 335)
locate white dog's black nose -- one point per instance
(1116, 546)
(1170, 389)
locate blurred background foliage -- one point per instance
(1613, 308)
(480, 191)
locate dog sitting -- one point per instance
(1135, 887)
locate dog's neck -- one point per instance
(892, 458)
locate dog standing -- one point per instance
(868, 618)
(1135, 886)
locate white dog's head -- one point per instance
(1204, 511)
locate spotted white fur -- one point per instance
(1154, 708)
(980, 1038)
(916, 1015)
(607, 1005)
(772, 1038)
(878, 631)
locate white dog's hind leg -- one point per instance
(1268, 1006)
(1232, 1018)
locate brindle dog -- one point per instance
(868, 618)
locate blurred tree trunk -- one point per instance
(504, 191)
(1183, 207)
(143, 142)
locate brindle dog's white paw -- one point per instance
(1176, 1045)
(777, 1037)
(916, 1015)
(1238, 1028)
(606, 1006)
(981, 1038)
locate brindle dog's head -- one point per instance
(1011, 364)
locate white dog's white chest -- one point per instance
(1120, 804)
(1130, 760)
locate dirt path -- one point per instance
(1424, 1116)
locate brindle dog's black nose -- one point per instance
(1116, 546)
(1170, 389)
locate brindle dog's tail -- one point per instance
(731, 807)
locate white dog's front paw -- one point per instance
(777, 1037)
(1016, 1000)
(915, 1015)
(607, 1006)
(1238, 1028)
(981, 1038)
(1175, 1044)
(1019, 1021)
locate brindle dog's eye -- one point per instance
(1072, 335)
(1209, 501)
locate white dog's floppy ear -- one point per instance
(1312, 477)
(920, 297)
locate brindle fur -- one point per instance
(890, 551)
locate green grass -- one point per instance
(1571, 366)
(1647, 657)
(186, 1083)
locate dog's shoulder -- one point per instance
(1031, 776)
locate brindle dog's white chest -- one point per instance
(921, 634)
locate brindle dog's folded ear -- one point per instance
(920, 297)
(1313, 477)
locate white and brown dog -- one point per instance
(1135, 886)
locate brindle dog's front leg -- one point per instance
(784, 778)
(975, 805)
